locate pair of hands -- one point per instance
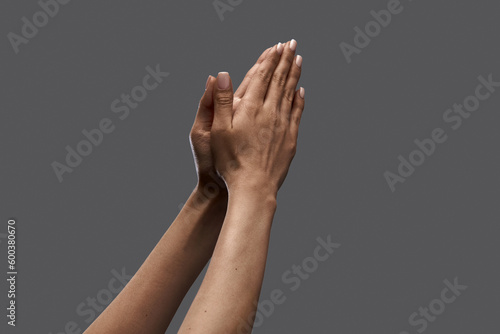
(245, 142)
(249, 138)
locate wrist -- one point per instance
(206, 209)
(250, 210)
(254, 186)
(262, 195)
(211, 193)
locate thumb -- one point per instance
(223, 100)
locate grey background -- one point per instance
(397, 248)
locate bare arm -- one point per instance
(253, 145)
(233, 281)
(149, 301)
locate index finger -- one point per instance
(248, 77)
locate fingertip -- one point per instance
(297, 107)
(299, 100)
(273, 50)
(211, 81)
(266, 51)
(280, 48)
(264, 55)
(208, 81)
(210, 86)
(286, 46)
(207, 100)
(223, 81)
(298, 61)
(275, 53)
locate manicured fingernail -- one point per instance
(223, 80)
(298, 61)
(208, 80)
(280, 48)
(293, 45)
(302, 92)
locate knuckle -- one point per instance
(216, 129)
(279, 79)
(295, 74)
(288, 59)
(248, 104)
(273, 118)
(289, 95)
(301, 105)
(219, 132)
(275, 59)
(276, 123)
(224, 99)
(264, 75)
(286, 117)
(296, 118)
(194, 131)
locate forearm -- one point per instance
(151, 298)
(232, 285)
(253, 144)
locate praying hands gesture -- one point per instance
(243, 144)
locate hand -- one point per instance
(254, 140)
(201, 131)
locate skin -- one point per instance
(253, 144)
(223, 212)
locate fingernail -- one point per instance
(298, 61)
(208, 80)
(223, 80)
(293, 45)
(280, 48)
(302, 92)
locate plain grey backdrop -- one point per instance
(397, 248)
